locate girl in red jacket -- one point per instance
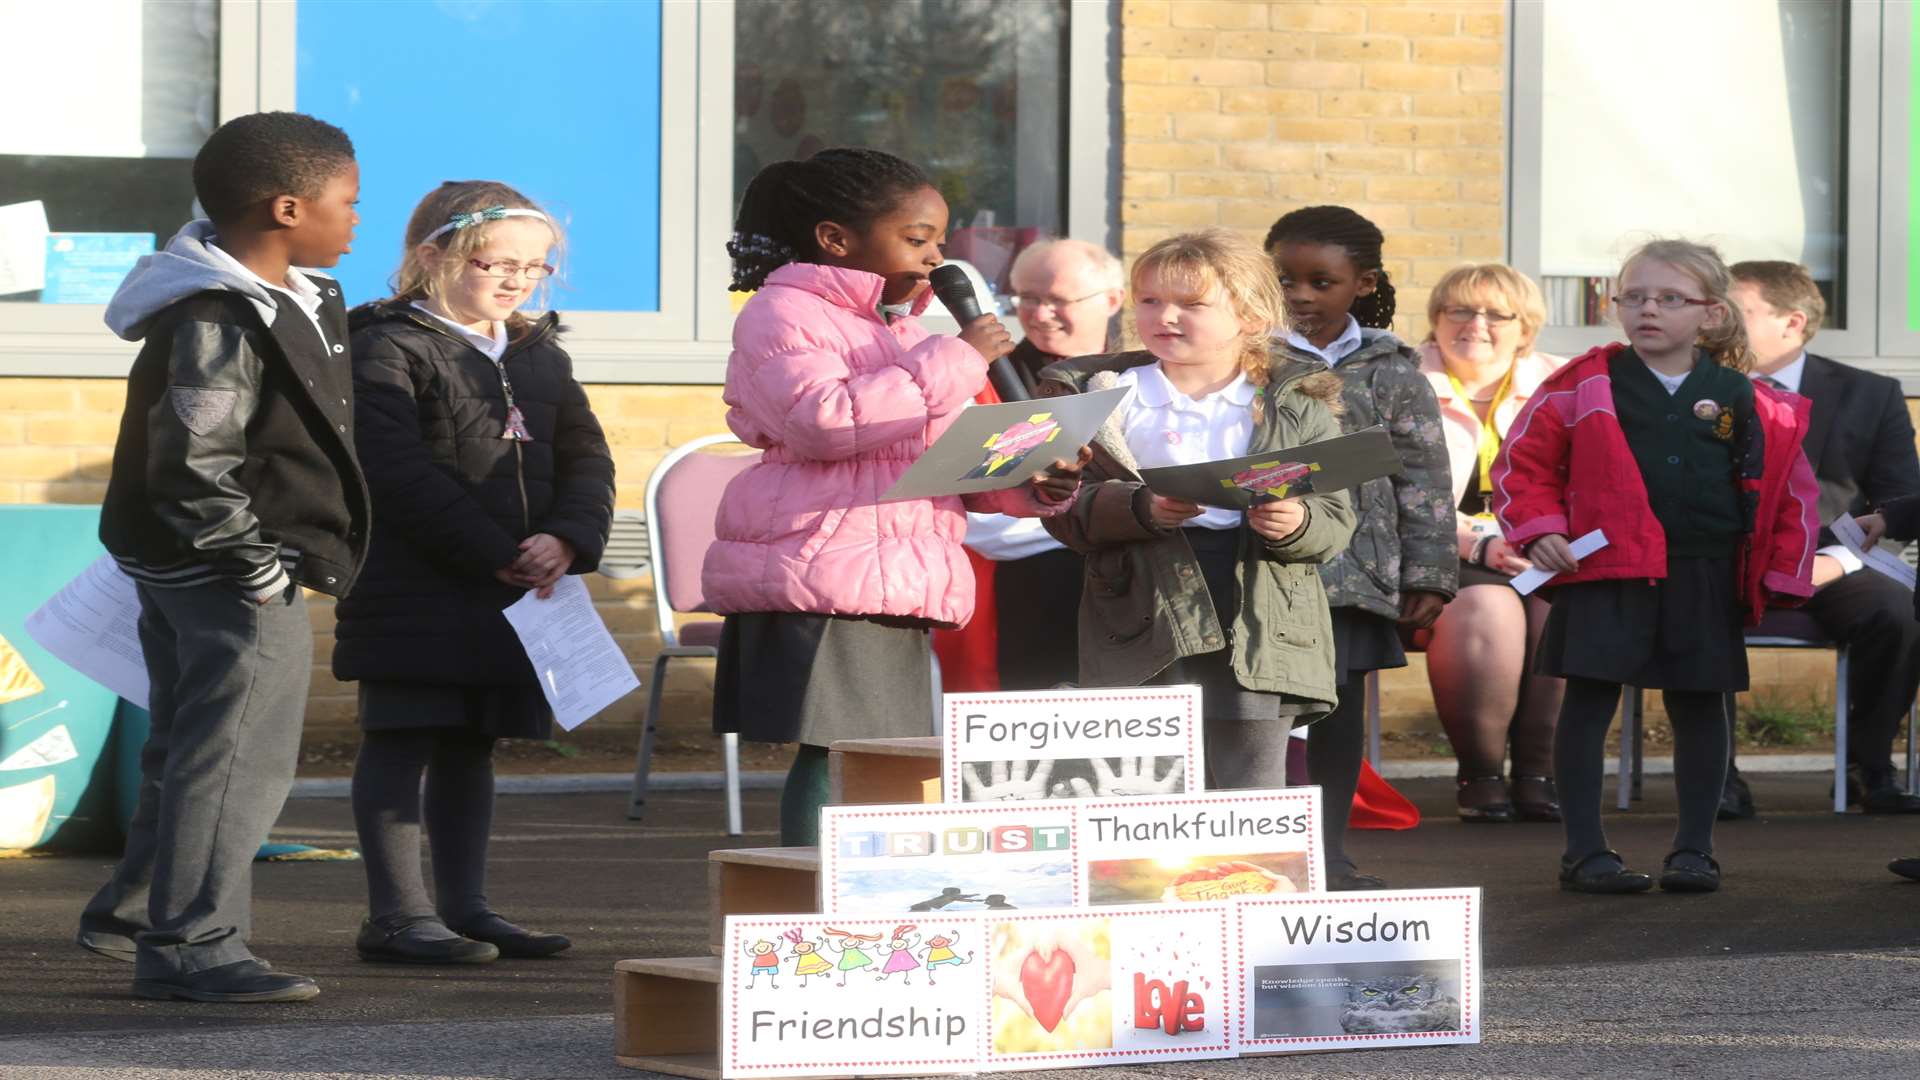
(1696, 477)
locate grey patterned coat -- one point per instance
(1405, 539)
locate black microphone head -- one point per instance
(956, 293)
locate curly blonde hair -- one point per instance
(419, 279)
(1726, 341)
(1191, 265)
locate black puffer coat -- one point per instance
(452, 498)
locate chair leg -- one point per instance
(1639, 741)
(643, 757)
(1373, 720)
(1913, 748)
(730, 751)
(1840, 704)
(1623, 782)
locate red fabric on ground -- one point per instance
(1376, 805)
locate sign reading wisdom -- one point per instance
(1073, 744)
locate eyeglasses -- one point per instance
(1465, 315)
(532, 271)
(1034, 303)
(1671, 301)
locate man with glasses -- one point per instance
(1860, 443)
(1066, 293)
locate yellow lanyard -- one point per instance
(1489, 434)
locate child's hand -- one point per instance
(1501, 558)
(1277, 519)
(1172, 513)
(1875, 526)
(988, 337)
(1058, 481)
(1418, 609)
(1552, 553)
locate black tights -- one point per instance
(1579, 758)
(1335, 747)
(387, 811)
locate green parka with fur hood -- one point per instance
(1145, 602)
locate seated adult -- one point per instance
(1066, 292)
(1480, 361)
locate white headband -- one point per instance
(491, 213)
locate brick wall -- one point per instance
(1238, 111)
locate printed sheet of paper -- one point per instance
(93, 626)
(916, 859)
(1877, 558)
(990, 447)
(1528, 580)
(581, 668)
(1235, 483)
(1357, 970)
(23, 247)
(1073, 744)
(808, 995)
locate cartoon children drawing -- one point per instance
(850, 946)
(940, 951)
(1011, 447)
(900, 954)
(766, 960)
(806, 956)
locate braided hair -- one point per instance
(851, 185)
(1338, 226)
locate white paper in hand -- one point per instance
(581, 668)
(1876, 558)
(93, 626)
(1528, 580)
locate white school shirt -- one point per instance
(1338, 349)
(1166, 427)
(298, 287)
(494, 344)
(1789, 378)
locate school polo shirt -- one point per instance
(1166, 427)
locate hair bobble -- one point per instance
(479, 217)
(757, 245)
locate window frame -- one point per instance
(687, 340)
(1863, 342)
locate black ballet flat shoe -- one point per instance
(1602, 872)
(414, 942)
(1351, 880)
(1482, 800)
(512, 940)
(1536, 798)
(1906, 868)
(1690, 870)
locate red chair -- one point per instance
(682, 497)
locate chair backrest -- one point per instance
(683, 494)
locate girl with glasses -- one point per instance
(490, 477)
(1708, 506)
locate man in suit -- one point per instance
(1860, 443)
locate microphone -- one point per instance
(956, 293)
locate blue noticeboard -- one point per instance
(558, 98)
(86, 268)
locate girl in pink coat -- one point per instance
(828, 592)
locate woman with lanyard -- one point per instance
(1479, 360)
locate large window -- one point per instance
(972, 91)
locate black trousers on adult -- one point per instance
(1038, 598)
(1873, 615)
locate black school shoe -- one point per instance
(420, 941)
(241, 982)
(1602, 872)
(1483, 800)
(1906, 868)
(1536, 798)
(511, 940)
(1690, 870)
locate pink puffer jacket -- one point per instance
(842, 403)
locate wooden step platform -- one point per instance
(760, 881)
(666, 1015)
(868, 771)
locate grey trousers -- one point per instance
(228, 699)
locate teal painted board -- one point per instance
(56, 783)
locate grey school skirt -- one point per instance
(788, 676)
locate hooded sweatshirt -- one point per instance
(235, 455)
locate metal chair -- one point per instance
(682, 496)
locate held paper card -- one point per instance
(990, 447)
(914, 860)
(1073, 744)
(1236, 483)
(1530, 579)
(1878, 558)
(1354, 971)
(23, 247)
(581, 668)
(1201, 847)
(92, 625)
